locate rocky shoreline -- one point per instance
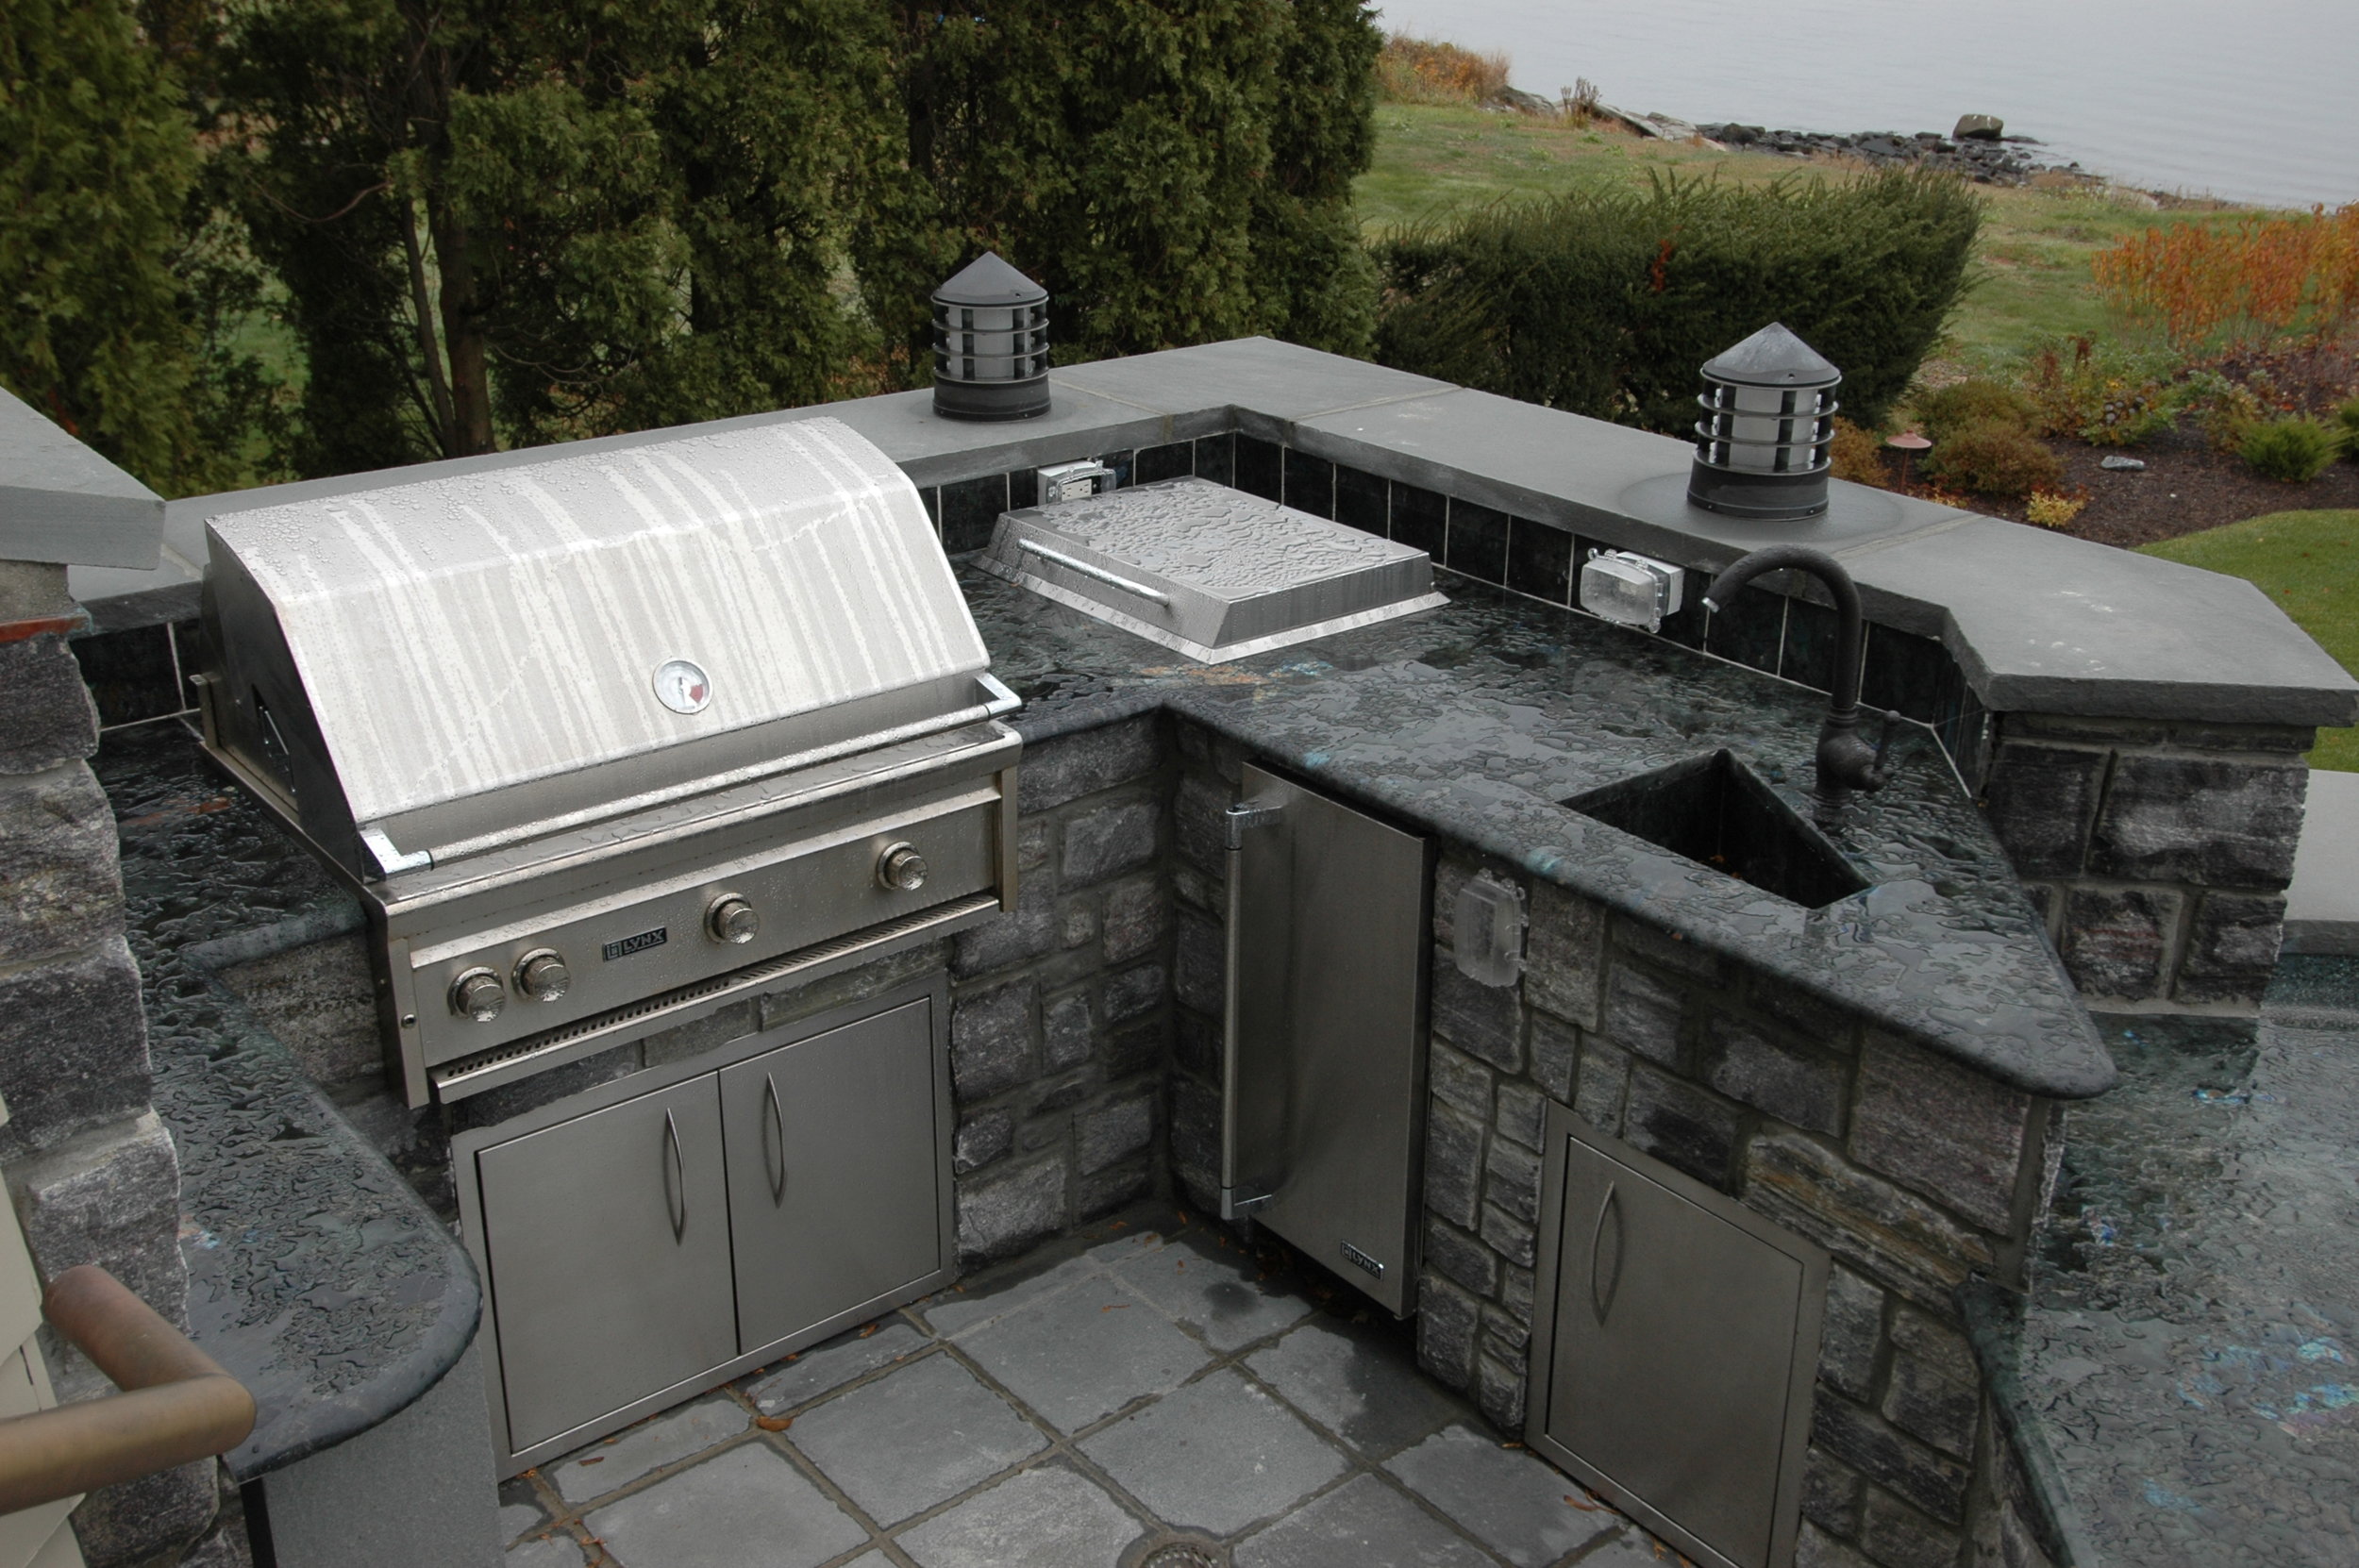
(1991, 159)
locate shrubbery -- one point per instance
(1995, 459)
(1608, 301)
(2101, 393)
(2295, 451)
(1974, 401)
(2346, 427)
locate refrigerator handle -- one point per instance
(1249, 1166)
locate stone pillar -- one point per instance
(2160, 853)
(91, 1171)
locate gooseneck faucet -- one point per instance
(1846, 763)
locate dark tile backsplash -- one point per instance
(1540, 561)
(1174, 462)
(1261, 467)
(1360, 501)
(1477, 540)
(1310, 484)
(970, 509)
(132, 676)
(1421, 519)
(1217, 457)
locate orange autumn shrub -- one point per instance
(1419, 71)
(2258, 278)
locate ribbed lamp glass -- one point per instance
(1762, 446)
(991, 343)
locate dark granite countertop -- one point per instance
(2181, 1373)
(1475, 720)
(316, 1274)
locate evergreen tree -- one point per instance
(1172, 171)
(100, 158)
(526, 220)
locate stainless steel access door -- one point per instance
(1674, 1347)
(835, 1190)
(1324, 1052)
(608, 1238)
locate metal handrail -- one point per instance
(176, 1406)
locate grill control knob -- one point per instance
(731, 919)
(901, 868)
(541, 975)
(477, 994)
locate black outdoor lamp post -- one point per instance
(991, 343)
(1761, 448)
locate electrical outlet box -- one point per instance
(1074, 481)
(1630, 590)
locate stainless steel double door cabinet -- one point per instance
(671, 1236)
(1675, 1339)
(1324, 1042)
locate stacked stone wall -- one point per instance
(1060, 1023)
(2159, 853)
(90, 1169)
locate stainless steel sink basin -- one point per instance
(1211, 572)
(1715, 812)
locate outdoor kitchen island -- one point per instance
(1878, 1075)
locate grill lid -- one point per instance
(458, 636)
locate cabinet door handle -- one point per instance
(675, 1178)
(778, 1125)
(1601, 1300)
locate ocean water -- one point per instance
(2252, 100)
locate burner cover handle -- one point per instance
(477, 994)
(541, 975)
(731, 919)
(901, 868)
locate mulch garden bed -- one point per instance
(2184, 488)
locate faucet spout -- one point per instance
(1846, 763)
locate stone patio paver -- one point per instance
(803, 1378)
(556, 1551)
(636, 1451)
(1362, 1524)
(1216, 1456)
(947, 1444)
(1504, 1497)
(1213, 1292)
(746, 1505)
(1356, 1385)
(1044, 1518)
(518, 1518)
(1086, 1352)
(955, 1312)
(916, 1437)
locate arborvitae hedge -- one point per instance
(1608, 301)
(1172, 171)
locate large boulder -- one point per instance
(1978, 127)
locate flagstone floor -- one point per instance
(1138, 1395)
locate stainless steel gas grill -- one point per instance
(603, 740)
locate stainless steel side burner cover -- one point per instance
(1211, 572)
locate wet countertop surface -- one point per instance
(316, 1274)
(1476, 720)
(2185, 1360)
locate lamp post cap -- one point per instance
(1773, 357)
(988, 281)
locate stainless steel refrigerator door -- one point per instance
(609, 1242)
(1324, 1117)
(1677, 1344)
(835, 1187)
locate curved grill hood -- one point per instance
(442, 664)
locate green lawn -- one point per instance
(2308, 561)
(2034, 266)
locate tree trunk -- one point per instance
(463, 338)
